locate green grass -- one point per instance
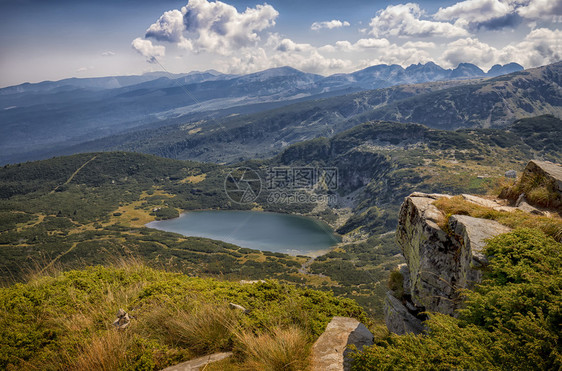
(511, 321)
(551, 226)
(64, 320)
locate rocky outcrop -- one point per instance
(443, 256)
(549, 170)
(329, 352)
(398, 318)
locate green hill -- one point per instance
(88, 209)
(63, 321)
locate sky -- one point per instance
(51, 40)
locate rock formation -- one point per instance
(443, 256)
(547, 169)
(330, 350)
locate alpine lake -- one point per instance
(283, 233)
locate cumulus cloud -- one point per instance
(541, 46)
(474, 11)
(169, 27)
(359, 45)
(107, 53)
(494, 14)
(334, 23)
(148, 50)
(212, 26)
(405, 20)
(246, 42)
(469, 50)
(419, 45)
(542, 9)
(288, 45)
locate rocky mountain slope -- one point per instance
(495, 102)
(43, 119)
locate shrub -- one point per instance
(276, 350)
(511, 320)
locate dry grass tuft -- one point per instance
(203, 330)
(551, 226)
(107, 351)
(278, 349)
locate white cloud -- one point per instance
(169, 27)
(359, 45)
(334, 23)
(542, 9)
(146, 49)
(107, 53)
(541, 46)
(419, 45)
(246, 42)
(203, 26)
(469, 50)
(404, 20)
(474, 11)
(288, 45)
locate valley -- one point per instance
(167, 203)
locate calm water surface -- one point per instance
(288, 234)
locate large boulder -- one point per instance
(429, 252)
(329, 352)
(547, 169)
(439, 262)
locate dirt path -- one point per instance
(74, 173)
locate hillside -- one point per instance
(98, 215)
(63, 321)
(490, 103)
(481, 285)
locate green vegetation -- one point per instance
(538, 189)
(511, 321)
(551, 226)
(64, 320)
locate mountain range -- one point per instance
(494, 102)
(39, 119)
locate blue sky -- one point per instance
(41, 40)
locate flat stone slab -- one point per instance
(197, 363)
(475, 231)
(329, 352)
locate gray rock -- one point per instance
(548, 169)
(429, 252)
(439, 264)
(197, 363)
(472, 234)
(398, 318)
(511, 174)
(123, 320)
(238, 307)
(405, 272)
(523, 205)
(329, 352)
